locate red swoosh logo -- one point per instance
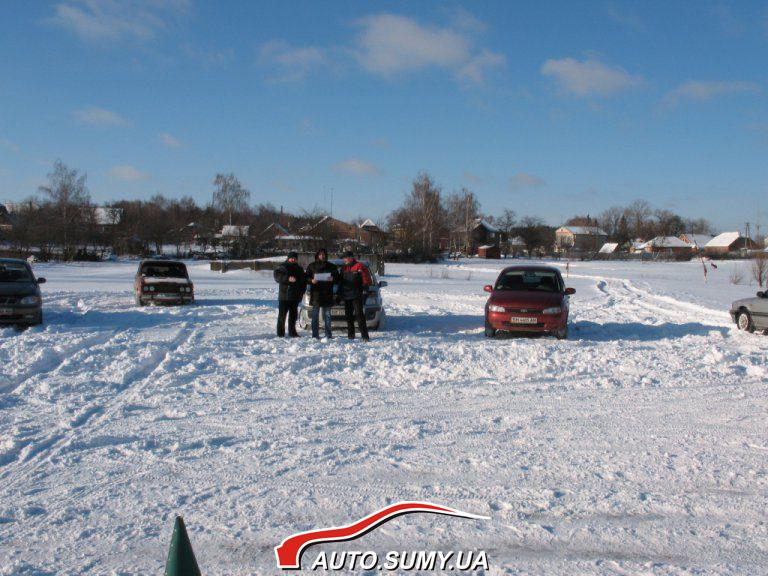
(290, 550)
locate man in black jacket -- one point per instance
(322, 276)
(290, 276)
(353, 290)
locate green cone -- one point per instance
(181, 559)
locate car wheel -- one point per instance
(744, 322)
(490, 331)
(562, 334)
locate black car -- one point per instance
(20, 300)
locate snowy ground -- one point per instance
(639, 446)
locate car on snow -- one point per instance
(751, 314)
(528, 299)
(375, 316)
(163, 282)
(21, 303)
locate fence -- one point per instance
(375, 261)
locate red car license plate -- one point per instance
(522, 320)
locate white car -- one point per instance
(375, 316)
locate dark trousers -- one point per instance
(291, 308)
(354, 309)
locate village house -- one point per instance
(489, 252)
(696, 241)
(484, 234)
(371, 235)
(6, 220)
(608, 248)
(579, 238)
(729, 243)
(670, 246)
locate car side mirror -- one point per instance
(383, 283)
(761, 295)
(488, 288)
(570, 291)
(41, 280)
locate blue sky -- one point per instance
(548, 108)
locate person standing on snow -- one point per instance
(322, 276)
(292, 281)
(353, 290)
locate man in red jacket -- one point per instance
(353, 290)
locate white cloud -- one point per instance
(524, 180)
(358, 167)
(589, 77)
(9, 145)
(99, 117)
(707, 90)
(109, 20)
(290, 63)
(127, 173)
(390, 44)
(170, 141)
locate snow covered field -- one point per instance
(639, 446)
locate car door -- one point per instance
(760, 313)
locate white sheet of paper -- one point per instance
(323, 277)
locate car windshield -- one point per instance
(164, 270)
(530, 280)
(14, 273)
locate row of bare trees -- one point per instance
(62, 221)
(429, 221)
(641, 220)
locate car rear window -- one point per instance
(10, 272)
(530, 280)
(164, 270)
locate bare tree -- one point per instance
(68, 202)
(462, 211)
(760, 269)
(421, 221)
(230, 196)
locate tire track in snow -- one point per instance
(54, 360)
(54, 445)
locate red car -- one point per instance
(528, 299)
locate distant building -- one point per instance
(667, 245)
(6, 219)
(729, 242)
(696, 241)
(484, 234)
(579, 238)
(489, 251)
(233, 232)
(107, 215)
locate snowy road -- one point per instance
(640, 445)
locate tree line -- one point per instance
(429, 221)
(62, 221)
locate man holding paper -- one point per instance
(322, 277)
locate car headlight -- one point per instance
(29, 300)
(495, 308)
(553, 310)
